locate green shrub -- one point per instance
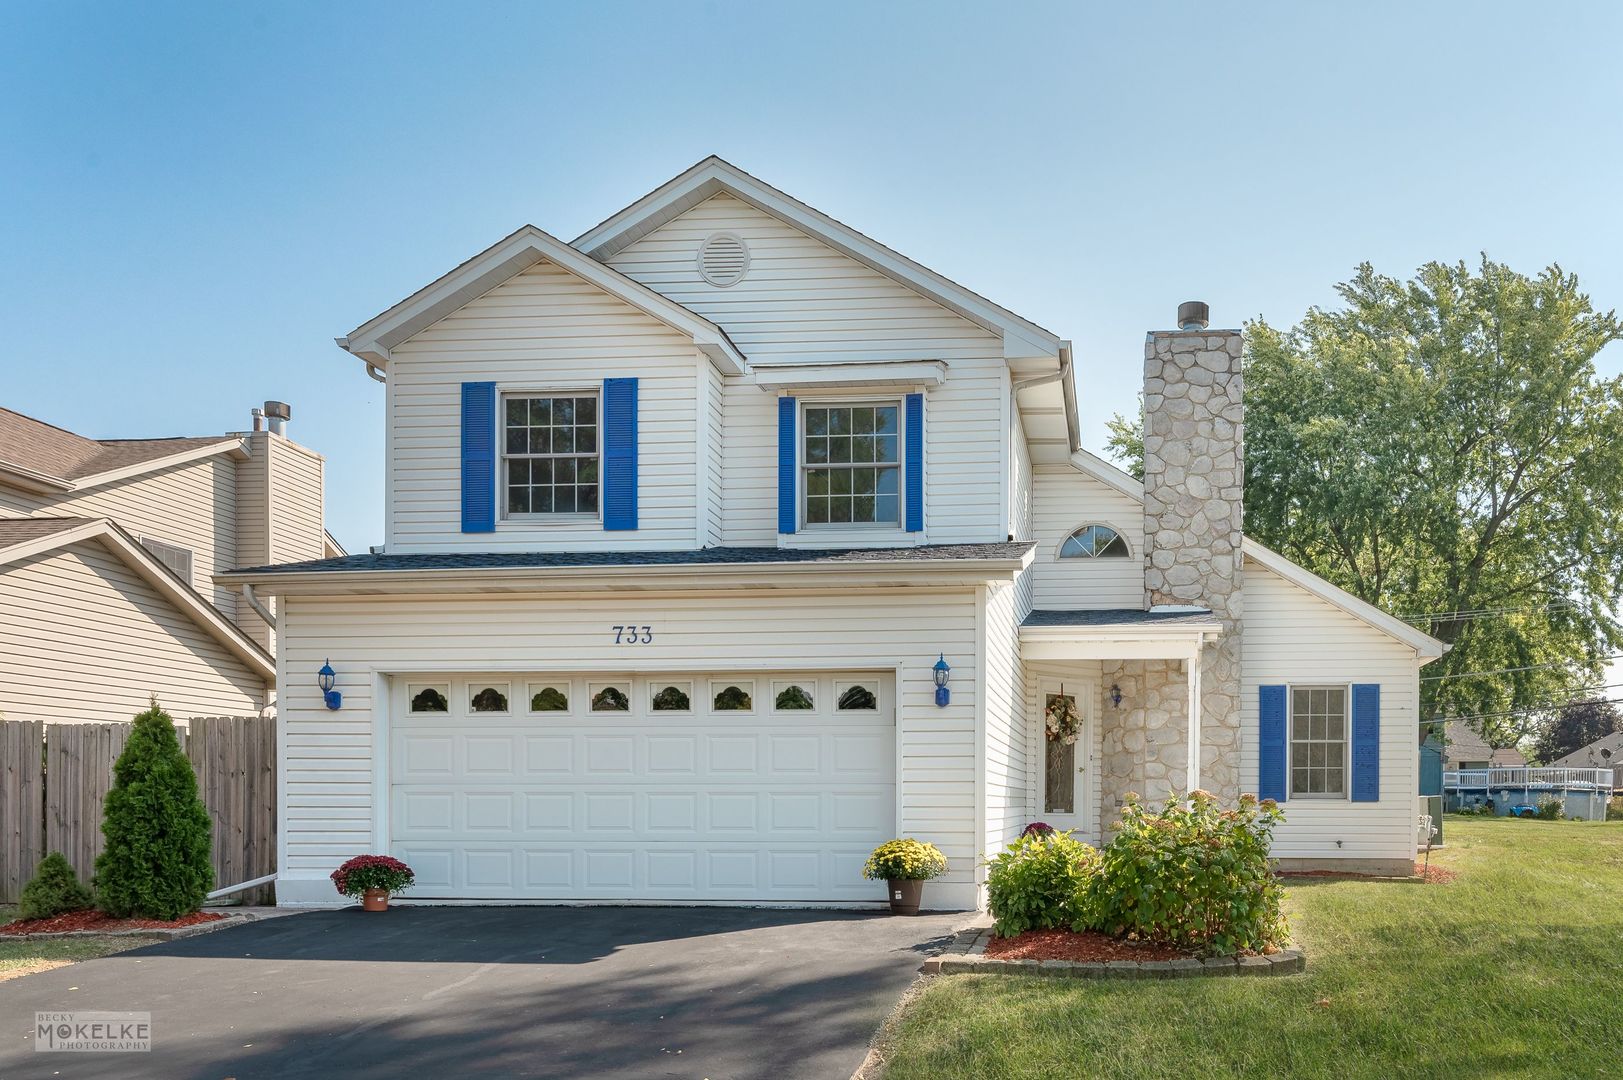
(1550, 809)
(1193, 876)
(54, 889)
(905, 860)
(1614, 808)
(156, 861)
(1042, 881)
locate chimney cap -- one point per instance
(278, 410)
(1192, 315)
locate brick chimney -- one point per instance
(1194, 483)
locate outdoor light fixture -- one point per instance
(325, 679)
(1115, 695)
(943, 696)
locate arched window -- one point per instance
(1094, 542)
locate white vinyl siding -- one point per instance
(1021, 510)
(193, 505)
(329, 772)
(1007, 763)
(85, 638)
(542, 329)
(1291, 637)
(804, 302)
(714, 410)
(1064, 499)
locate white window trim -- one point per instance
(863, 529)
(1059, 550)
(530, 520)
(1346, 737)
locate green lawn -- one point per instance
(1515, 969)
(24, 957)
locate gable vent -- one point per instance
(723, 259)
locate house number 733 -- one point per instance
(633, 635)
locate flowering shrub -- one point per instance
(1193, 876)
(905, 860)
(1038, 828)
(365, 872)
(1040, 882)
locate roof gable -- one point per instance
(713, 176)
(23, 538)
(1424, 644)
(507, 258)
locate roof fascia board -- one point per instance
(29, 480)
(1144, 632)
(154, 573)
(373, 340)
(950, 572)
(1022, 337)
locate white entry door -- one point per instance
(732, 787)
(1064, 783)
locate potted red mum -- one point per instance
(372, 878)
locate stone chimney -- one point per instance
(1194, 484)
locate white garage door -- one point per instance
(695, 787)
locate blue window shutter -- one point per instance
(478, 457)
(787, 510)
(1271, 740)
(915, 463)
(619, 453)
(1366, 742)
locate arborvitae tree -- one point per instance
(156, 863)
(52, 890)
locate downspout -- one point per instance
(259, 608)
(376, 374)
(1064, 373)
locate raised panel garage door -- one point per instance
(759, 787)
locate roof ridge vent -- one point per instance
(724, 259)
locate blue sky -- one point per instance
(199, 198)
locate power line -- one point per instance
(1513, 670)
(1466, 614)
(1534, 708)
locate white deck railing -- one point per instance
(1528, 777)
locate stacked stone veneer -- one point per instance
(1143, 746)
(1193, 498)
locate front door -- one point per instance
(1064, 787)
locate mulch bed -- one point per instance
(1434, 875)
(99, 922)
(1068, 945)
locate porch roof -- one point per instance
(1117, 634)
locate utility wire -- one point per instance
(1513, 670)
(1528, 708)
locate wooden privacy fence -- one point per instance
(54, 779)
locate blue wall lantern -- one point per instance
(1115, 695)
(325, 679)
(943, 696)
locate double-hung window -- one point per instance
(852, 463)
(1318, 742)
(550, 450)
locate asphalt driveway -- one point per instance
(718, 993)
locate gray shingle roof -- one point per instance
(22, 530)
(38, 447)
(1116, 617)
(716, 556)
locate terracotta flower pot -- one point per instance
(905, 896)
(375, 900)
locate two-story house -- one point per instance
(725, 542)
(108, 550)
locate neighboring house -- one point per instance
(1605, 752)
(682, 519)
(108, 550)
(1465, 748)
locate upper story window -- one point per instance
(852, 463)
(550, 450)
(1094, 542)
(1318, 742)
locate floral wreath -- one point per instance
(1061, 719)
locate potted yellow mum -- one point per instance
(904, 866)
